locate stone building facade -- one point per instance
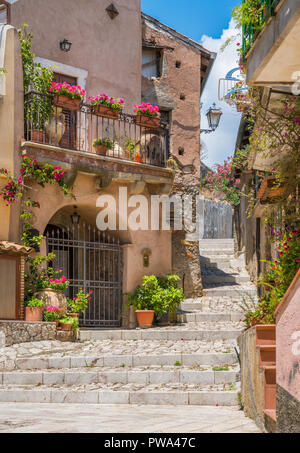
(174, 71)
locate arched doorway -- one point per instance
(91, 261)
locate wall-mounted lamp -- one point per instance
(65, 45)
(146, 253)
(213, 117)
(75, 217)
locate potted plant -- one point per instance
(52, 293)
(67, 96)
(37, 113)
(168, 298)
(34, 310)
(52, 314)
(79, 304)
(67, 323)
(106, 106)
(102, 145)
(148, 115)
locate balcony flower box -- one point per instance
(270, 189)
(148, 121)
(67, 96)
(106, 112)
(66, 103)
(147, 115)
(106, 106)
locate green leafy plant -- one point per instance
(80, 303)
(73, 321)
(160, 294)
(33, 302)
(177, 363)
(51, 314)
(105, 142)
(277, 280)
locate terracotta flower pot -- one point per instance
(53, 298)
(37, 135)
(145, 318)
(33, 314)
(106, 112)
(73, 315)
(101, 150)
(66, 103)
(66, 327)
(152, 122)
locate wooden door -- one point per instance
(69, 138)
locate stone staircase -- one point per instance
(194, 362)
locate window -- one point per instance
(152, 62)
(4, 12)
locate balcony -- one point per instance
(126, 151)
(270, 46)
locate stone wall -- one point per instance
(252, 378)
(24, 332)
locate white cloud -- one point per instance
(221, 143)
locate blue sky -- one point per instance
(208, 22)
(192, 17)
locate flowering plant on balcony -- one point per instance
(147, 109)
(108, 101)
(105, 142)
(65, 89)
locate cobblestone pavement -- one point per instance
(48, 418)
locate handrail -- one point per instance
(251, 31)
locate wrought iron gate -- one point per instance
(91, 261)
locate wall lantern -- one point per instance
(213, 117)
(146, 257)
(65, 45)
(112, 11)
(75, 217)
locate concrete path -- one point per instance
(59, 418)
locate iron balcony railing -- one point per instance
(251, 30)
(48, 124)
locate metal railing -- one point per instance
(250, 31)
(48, 124)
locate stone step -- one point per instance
(230, 291)
(197, 331)
(216, 246)
(217, 241)
(226, 356)
(217, 252)
(205, 316)
(217, 278)
(105, 394)
(145, 376)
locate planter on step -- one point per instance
(73, 315)
(145, 318)
(33, 314)
(148, 121)
(66, 103)
(164, 320)
(66, 327)
(106, 112)
(53, 298)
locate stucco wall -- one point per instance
(11, 124)
(288, 360)
(109, 50)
